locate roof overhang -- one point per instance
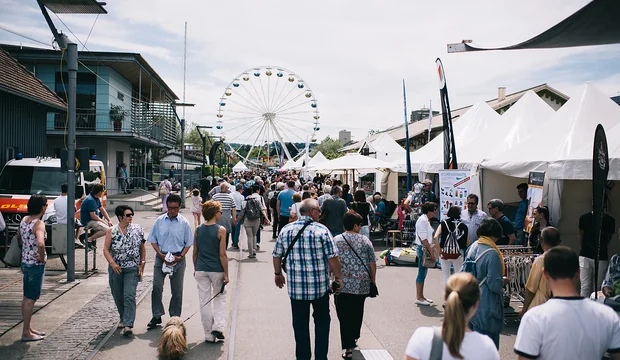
(74, 6)
(131, 66)
(597, 23)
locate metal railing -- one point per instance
(136, 184)
(149, 120)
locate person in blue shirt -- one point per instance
(171, 233)
(521, 213)
(93, 215)
(284, 203)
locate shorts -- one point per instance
(33, 280)
(96, 226)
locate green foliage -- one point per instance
(329, 147)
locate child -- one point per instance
(195, 207)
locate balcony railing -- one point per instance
(148, 120)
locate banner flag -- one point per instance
(600, 169)
(449, 149)
(430, 120)
(407, 154)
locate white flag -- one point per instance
(430, 120)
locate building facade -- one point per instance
(124, 112)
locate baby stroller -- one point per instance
(384, 222)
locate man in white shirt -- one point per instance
(424, 241)
(567, 326)
(472, 217)
(60, 208)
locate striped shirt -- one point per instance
(306, 266)
(226, 199)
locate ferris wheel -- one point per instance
(265, 113)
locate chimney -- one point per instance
(501, 94)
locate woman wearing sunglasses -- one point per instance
(125, 252)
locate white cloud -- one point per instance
(353, 54)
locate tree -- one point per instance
(329, 147)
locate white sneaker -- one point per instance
(423, 303)
(429, 300)
(210, 338)
(120, 325)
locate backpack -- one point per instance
(162, 189)
(451, 248)
(252, 209)
(470, 266)
(274, 199)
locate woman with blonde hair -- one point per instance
(458, 341)
(211, 270)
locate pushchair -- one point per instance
(383, 222)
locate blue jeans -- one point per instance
(123, 287)
(301, 327)
(422, 270)
(365, 231)
(236, 231)
(33, 280)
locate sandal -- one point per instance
(348, 354)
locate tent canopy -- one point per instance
(386, 148)
(355, 161)
(562, 146)
(594, 24)
(317, 159)
(240, 167)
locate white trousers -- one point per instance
(214, 314)
(586, 268)
(445, 267)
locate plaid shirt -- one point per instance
(306, 266)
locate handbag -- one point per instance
(427, 258)
(288, 250)
(374, 291)
(13, 256)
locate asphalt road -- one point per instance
(259, 319)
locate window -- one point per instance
(26, 180)
(86, 88)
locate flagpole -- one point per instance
(407, 155)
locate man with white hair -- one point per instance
(229, 209)
(327, 189)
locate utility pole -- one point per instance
(203, 137)
(68, 7)
(182, 124)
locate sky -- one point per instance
(353, 54)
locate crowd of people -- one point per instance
(327, 222)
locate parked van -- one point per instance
(22, 177)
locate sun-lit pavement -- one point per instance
(259, 316)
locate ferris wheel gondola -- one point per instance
(264, 112)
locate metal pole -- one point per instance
(204, 154)
(182, 163)
(72, 67)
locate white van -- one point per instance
(22, 177)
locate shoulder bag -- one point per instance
(13, 256)
(427, 258)
(285, 256)
(374, 291)
(437, 345)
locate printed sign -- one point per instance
(535, 183)
(454, 188)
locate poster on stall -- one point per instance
(535, 182)
(453, 190)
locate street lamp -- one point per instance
(203, 137)
(182, 123)
(70, 7)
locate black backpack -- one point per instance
(252, 209)
(274, 200)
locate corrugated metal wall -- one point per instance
(22, 125)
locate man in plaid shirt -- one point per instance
(308, 265)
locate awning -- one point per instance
(597, 23)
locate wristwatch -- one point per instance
(277, 274)
(142, 262)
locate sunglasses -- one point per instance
(129, 215)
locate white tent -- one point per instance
(287, 165)
(562, 145)
(317, 159)
(240, 167)
(355, 161)
(385, 148)
(476, 120)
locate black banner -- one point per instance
(600, 169)
(449, 149)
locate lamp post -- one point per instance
(182, 124)
(203, 137)
(70, 7)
